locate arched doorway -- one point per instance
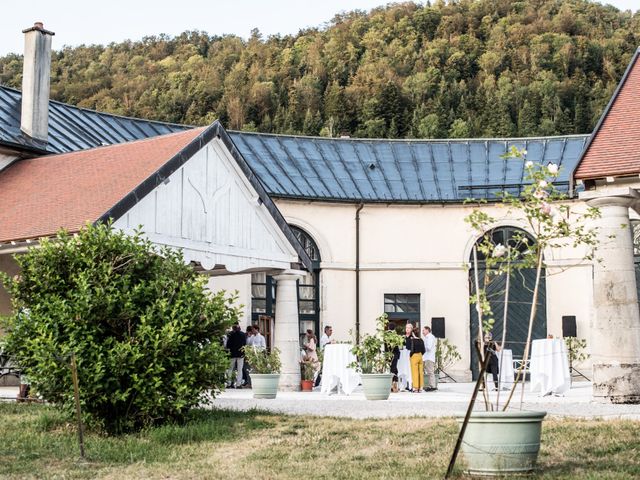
(263, 291)
(520, 297)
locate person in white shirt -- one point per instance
(429, 358)
(326, 337)
(258, 339)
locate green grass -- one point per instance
(38, 442)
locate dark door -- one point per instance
(520, 298)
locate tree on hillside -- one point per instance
(370, 73)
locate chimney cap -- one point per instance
(38, 26)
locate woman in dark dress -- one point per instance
(491, 348)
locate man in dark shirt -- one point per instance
(237, 339)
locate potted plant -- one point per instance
(265, 370)
(308, 367)
(498, 442)
(374, 354)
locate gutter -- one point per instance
(360, 207)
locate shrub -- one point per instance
(261, 360)
(375, 352)
(145, 332)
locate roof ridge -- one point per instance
(411, 140)
(116, 145)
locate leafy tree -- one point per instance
(145, 331)
(411, 59)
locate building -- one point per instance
(381, 221)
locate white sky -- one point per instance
(83, 21)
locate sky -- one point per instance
(83, 21)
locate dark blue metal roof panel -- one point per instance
(73, 128)
(401, 170)
(325, 168)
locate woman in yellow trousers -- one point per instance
(417, 366)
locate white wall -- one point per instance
(424, 250)
(231, 284)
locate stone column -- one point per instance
(615, 332)
(286, 331)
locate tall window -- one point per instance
(263, 290)
(309, 287)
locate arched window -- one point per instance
(520, 296)
(516, 238)
(264, 290)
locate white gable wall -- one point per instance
(209, 209)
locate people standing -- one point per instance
(430, 345)
(237, 339)
(258, 339)
(310, 350)
(491, 348)
(415, 345)
(246, 377)
(394, 362)
(326, 337)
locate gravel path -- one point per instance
(450, 399)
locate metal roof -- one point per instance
(411, 171)
(73, 128)
(399, 170)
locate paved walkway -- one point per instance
(450, 399)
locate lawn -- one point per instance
(37, 442)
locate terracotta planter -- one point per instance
(307, 385)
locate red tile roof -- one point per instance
(41, 195)
(614, 149)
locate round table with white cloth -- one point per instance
(335, 370)
(404, 370)
(549, 366)
(505, 366)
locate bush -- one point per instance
(145, 332)
(261, 360)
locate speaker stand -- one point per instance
(446, 375)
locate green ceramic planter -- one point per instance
(265, 385)
(501, 443)
(376, 386)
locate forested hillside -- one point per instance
(459, 69)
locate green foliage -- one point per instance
(576, 348)
(375, 352)
(144, 329)
(446, 354)
(553, 222)
(505, 68)
(261, 360)
(308, 367)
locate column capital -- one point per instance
(612, 197)
(289, 275)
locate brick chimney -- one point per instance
(35, 82)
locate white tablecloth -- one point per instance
(404, 370)
(335, 371)
(505, 365)
(549, 366)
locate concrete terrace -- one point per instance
(451, 399)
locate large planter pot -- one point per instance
(265, 385)
(306, 385)
(499, 443)
(377, 386)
